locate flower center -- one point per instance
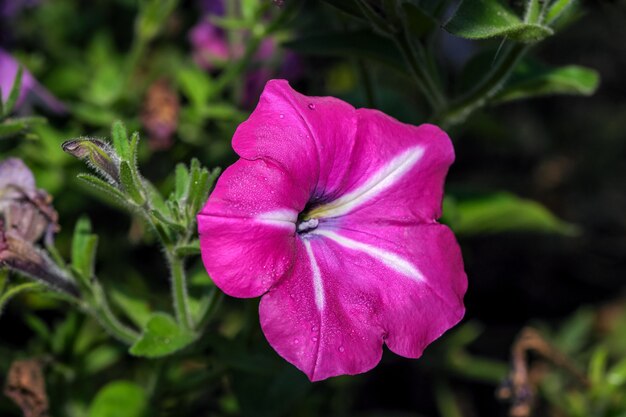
(304, 226)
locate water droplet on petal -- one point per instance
(314, 328)
(311, 106)
(314, 339)
(296, 341)
(341, 349)
(282, 116)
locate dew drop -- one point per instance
(341, 349)
(296, 341)
(166, 341)
(311, 106)
(314, 339)
(282, 116)
(314, 328)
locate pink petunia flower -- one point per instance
(330, 215)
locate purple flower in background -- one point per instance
(210, 47)
(30, 89)
(330, 215)
(9, 8)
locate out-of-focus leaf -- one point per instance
(161, 337)
(119, 136)
(531, 80)
(100, 358)
(14, 94)
(119, 399)
(361, 44)
(196, 85)
(84, 246)
(557, 9)
(136, 309)
(13, 126)
(418, 21)
(482, 19)
(502, 212)
(617, 374)
(349, 7)
(575, 332)
(597, 365)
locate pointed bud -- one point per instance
(98, 154)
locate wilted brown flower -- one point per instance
(25, 209)
(160, 114)
(26, 214)
(27, 388)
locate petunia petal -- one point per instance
(322, 321)
(350, 291)
(397, 169)
(310, 137)
(247, 227)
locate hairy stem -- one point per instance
(179, 290)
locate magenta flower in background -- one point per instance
(30, 89)
(330, 215)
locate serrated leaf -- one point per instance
(360, 44)
(119, 399)
(483, 19)
(120, 140)
(130, 183)
(502, 212)
(530, 80)
(161, 337)
(84, 245)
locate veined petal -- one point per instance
(396, 174)
(349, 292)
(247, 228)
(321, 320)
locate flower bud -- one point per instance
(98, 154)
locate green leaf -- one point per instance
(84, 246)
(120, 140)
(181, 189)
(482, 19)
(120, 399)
(597, 366)
(18, 289)
(617, 374)
(136, 309)
(196, 85)
(532, 80)
(349, 7)
(190, 249)
(130, 183)
(161, 337)
(557, 9)
(100, 358)
(101, 185)
(502, 212)
(175, 227)
(418, 21)
(359, 44)
(14, 94)
(13, 126)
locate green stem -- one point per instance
(103, 313)
(422, 78)
(179, 291)
(485, 90)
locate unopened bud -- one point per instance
(98, 154)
